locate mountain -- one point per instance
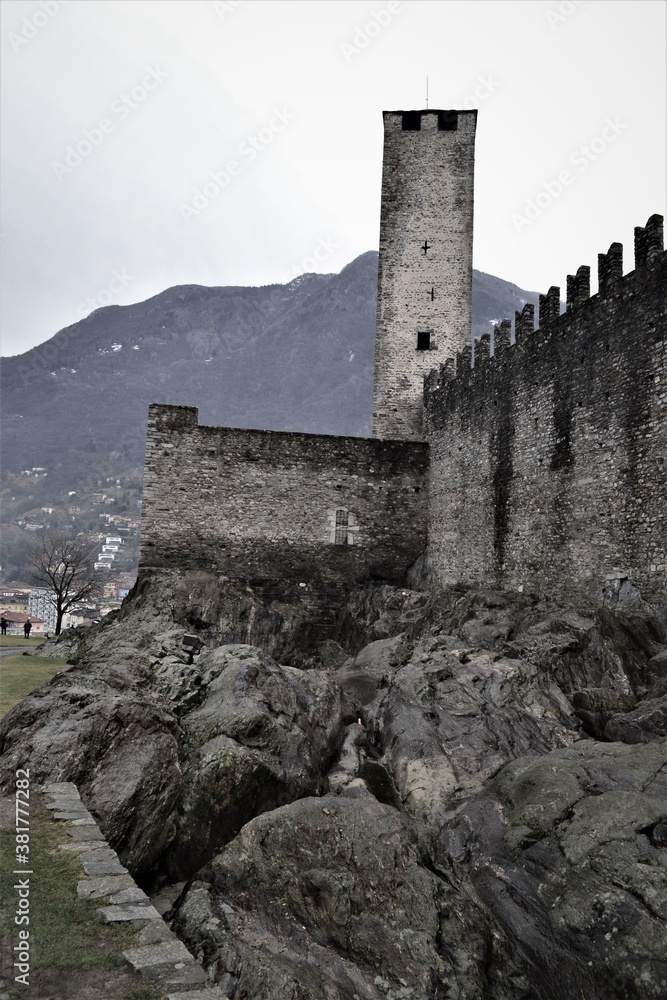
(280, 357)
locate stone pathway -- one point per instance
(159, 956)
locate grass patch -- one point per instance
(19, 675)
(15, 640)
(66, 935)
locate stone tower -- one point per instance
(425, 268)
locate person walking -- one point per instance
(26, 629)
(3, 625)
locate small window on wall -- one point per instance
(342, 524)
(423, 340)
(411, 121)
(448, 121)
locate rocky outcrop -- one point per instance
(567, 851)
(453, 795)
(549, 884)
(645, 723)
(262, 735)
(444, 717)
(342, 902)
(152, 756)
(150, 741)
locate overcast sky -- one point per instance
(149, 144)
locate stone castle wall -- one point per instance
(425, 264)
(258, 505)
(548, 459)
(545, 466)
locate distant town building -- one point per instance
(17, 620)
(14, 599)
(41, 604)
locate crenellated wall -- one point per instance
(548, 459)
(267, 506)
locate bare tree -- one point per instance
(64, 565)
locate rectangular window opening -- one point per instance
(411, 121)
(423, 340)
(342, 520)
(448, 121)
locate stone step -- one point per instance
(160, 957)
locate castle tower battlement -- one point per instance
(612, 283)
(425, 264)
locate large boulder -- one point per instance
(567, 851)
(333, 899)
(261, 735)
(443, 717)
(120, 748)
(648, 721)
(173, 758)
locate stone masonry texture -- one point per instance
(549, 459)
(425, 264)
(260, 505)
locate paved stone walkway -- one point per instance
(159, 956)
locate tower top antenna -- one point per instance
(427, 90)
